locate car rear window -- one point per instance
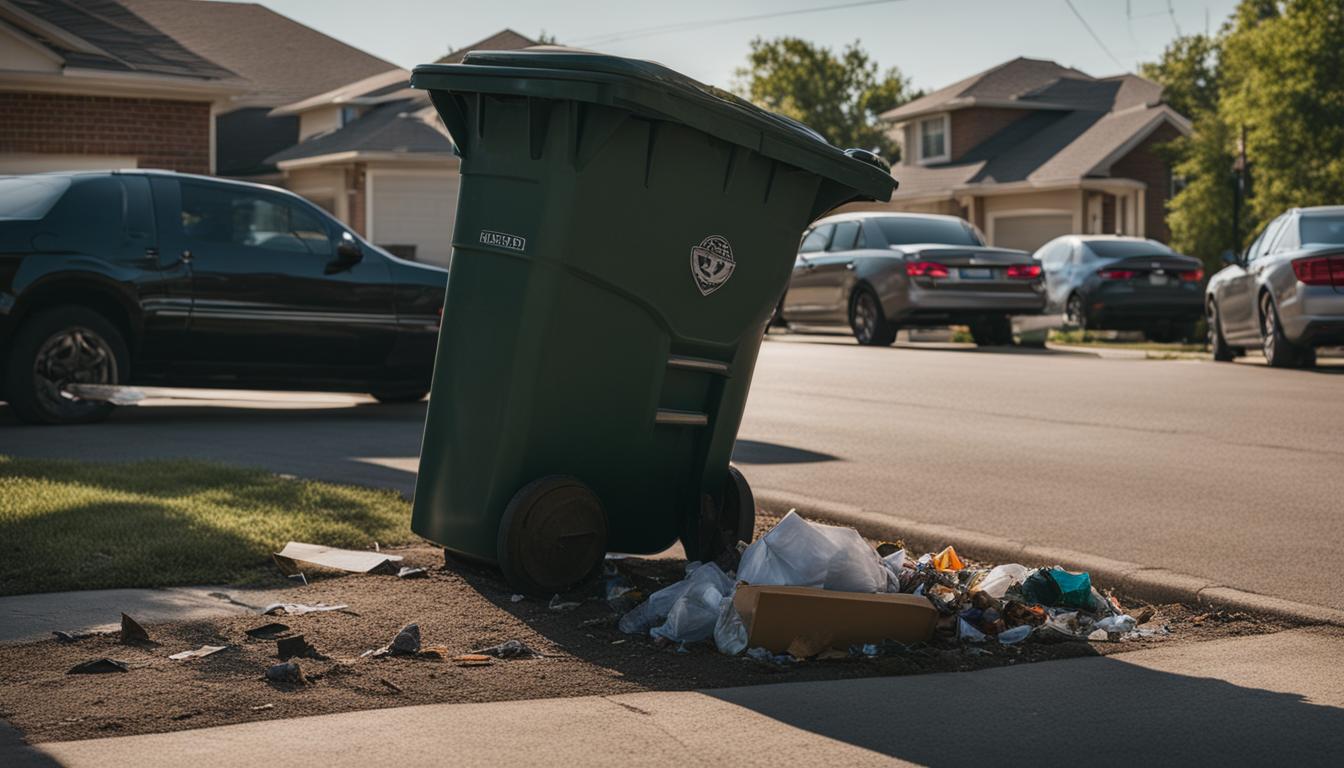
(30, 197)
(1323, 230)
(1120, 249)
(909, 230)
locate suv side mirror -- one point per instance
(348, 254)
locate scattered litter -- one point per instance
(1015, 635)
(1055, 587)
(517, 598)
(71, 637)
(267, 631)
(438, 652)
(509, 649)
(348, 560)
(407, 640)
(296, 646)
(618, 642)
(557, 604)
(132, 632)
(391, 686)
(947, 560)
(287, 672)
(768, 659)
(969, 634)
(260, 707)
(411, 573)
(473, 660)
(199, 653)
(98, 667)
(299, 609)
(300, 577)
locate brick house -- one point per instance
(94, 86)
(1031, 150)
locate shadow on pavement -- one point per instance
(753, 452)
(15, 752)
(1093, 711)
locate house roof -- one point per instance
(504, 40)
(1033, 84)
(392, 85)
(105, 35)
(282, 60)
(406, 126)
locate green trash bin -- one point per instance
(623, 234)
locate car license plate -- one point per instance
(976, 273)
(1156, 279)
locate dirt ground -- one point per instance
(462, 608)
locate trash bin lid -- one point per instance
(655, 90)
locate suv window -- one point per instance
(846, 232)
(1054, 253)
(30, 197)
(90, 217)
(214, 213)
(817, 239)
(1262, 245)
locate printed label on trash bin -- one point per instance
(503, 240)
(712, 263)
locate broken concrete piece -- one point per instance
(199, 653)
(71, 637)
(131, 631)
(266, 631)
(348, 560)
(407, 640)
(289, 647)
(98, 667)
(288, 672)
(298, 609)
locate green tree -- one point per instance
(839, 95)
(1272, 74)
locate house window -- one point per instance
(349, 115)
(933, 139)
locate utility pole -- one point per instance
(1238, 189)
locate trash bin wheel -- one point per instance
(721, 526)
(552, 535)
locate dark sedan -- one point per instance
(168, 279)
(1107, 282)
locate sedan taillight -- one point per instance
(1320, 270)
(1024, 271)
(925, 269)
(1117, 274)
(1191, 275)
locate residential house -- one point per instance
(1031, 150)
(376, 154)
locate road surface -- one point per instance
(1230, 472)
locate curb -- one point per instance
(1158, 585)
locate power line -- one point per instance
(1088, 27)
(1172, 13)
(631, 34)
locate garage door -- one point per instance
(1028, 232)
(413, 213)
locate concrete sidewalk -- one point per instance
(1269, 698)
(25, 618)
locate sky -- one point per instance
(933, 42)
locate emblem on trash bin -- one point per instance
(712, 263)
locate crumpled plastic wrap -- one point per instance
(802, 554)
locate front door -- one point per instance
(834, 270)
(269, 299)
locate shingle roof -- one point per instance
(504, 40)
(1007, 81)
(283, 60)
(119, 40)
(409, 126)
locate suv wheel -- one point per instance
(58, 347)
(1074, 312)
(1279, 351)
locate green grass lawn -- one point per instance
(1090, 339)
(73, 525)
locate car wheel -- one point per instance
(1279, 352)
(58, 347)
(391, 398)
(992, 332)
(1074, 312)
(867, 320)
(1222, 352)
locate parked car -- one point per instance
(1284, 293)
(177, 280)
(1109, 282)
(878, 272)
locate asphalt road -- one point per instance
(1231, 472)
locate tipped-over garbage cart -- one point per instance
(622, 236)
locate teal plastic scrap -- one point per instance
(1058, 587)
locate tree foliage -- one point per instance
(1275, 72)
(839, 95)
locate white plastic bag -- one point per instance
(653, 611)
(997, 582)
(802, 554)
(730, 634)
(692, 616)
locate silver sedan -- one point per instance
(878, 272)
(1285, 293)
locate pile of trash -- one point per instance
(805, 589)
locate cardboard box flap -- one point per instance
(811, 620)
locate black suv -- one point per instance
(168, 279)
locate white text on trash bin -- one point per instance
(503, 240)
